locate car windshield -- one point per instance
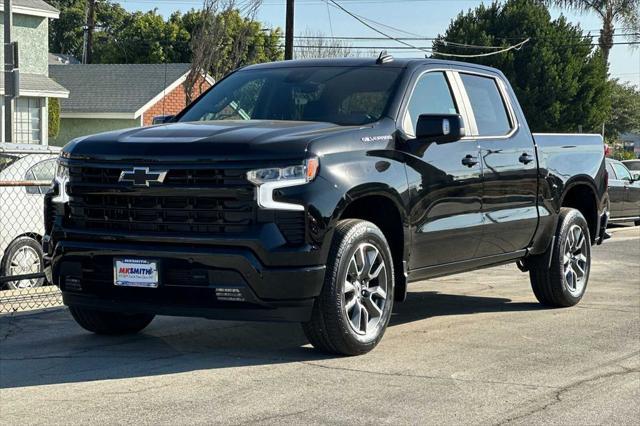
(341, 95)
(6, 160)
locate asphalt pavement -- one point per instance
(470, 348)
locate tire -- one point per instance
(353, 310)
(23, 256)
(109, 323)
(565, 282)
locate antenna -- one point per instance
(384, 58)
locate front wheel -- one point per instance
(564, 281)
(352, 312)
(23, 257)
(110, 323)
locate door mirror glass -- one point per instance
(440, 128)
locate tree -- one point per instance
(625, 110)
(560, 82)
(223, 40)
(65, 33)
(611, 12)
(317, 45)
(53, 112)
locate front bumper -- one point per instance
(210, 282)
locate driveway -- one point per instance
(472, 348)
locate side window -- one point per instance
(487, 104)
(612, 173)
(432, 95)
(621, 172)
(44, 170)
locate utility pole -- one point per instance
(8, 72)
(288, 37)
(87, 47)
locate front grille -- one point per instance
(175, 177)
(189, 201)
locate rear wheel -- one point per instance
(351, 314)
(112, 323)
(564, 281)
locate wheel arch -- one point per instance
(580, 194)
(384, 209)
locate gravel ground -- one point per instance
(471, 348)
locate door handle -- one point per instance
(469, 160)
(526, 158)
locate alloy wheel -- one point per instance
(365, 289)
(25, 261)
(575, 261)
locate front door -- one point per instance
(509, 170)
(616, 193)
(445, 181)
(631, 206)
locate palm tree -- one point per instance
(612, 12)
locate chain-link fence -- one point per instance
(24, 179)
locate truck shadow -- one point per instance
(49, 348)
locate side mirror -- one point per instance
(161, 119)
(440, 128)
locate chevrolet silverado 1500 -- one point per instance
(314, 191)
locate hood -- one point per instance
(205, 141)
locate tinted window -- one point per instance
(341, 95)
(431, 95)
(45, 171)
(621, 171)
(487, 104)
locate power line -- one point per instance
(516, 46)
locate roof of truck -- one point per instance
(367, 62)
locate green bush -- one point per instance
(54, 117)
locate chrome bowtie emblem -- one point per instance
(142, 176)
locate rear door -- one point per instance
(509, 166)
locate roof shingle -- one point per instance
(38, 83)
(33, 4)
(113, 88)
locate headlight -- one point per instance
(61, 178)
(270, 179)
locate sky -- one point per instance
(426, 18)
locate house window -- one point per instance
(27, 123)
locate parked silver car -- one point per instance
(21, 217)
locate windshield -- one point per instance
(6, 160)
(341, 95)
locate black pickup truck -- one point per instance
(314, 191)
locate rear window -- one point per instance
(487, 104)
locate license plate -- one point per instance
(135, 273)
